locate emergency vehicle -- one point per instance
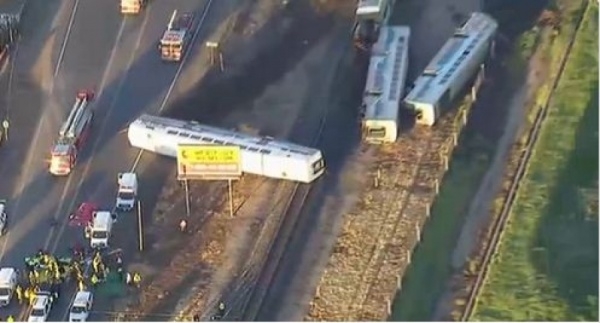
(177, 37)
(132, 6)
(72, 135)
(8, 283)
(42, 304)
(83, 215)
(100, 229)
(127, 192)
(81, 306)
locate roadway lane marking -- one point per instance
(163, 104)
(30, 152)
(71, 176)
(63, 48)
(103, 125)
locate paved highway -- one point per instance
(87, 45)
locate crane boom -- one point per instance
(69, 128)
(172, 20)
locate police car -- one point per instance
(81, 306)
(3, 218)
(42, 304)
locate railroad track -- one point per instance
(499, 224)
(261, 278)
(182, 266)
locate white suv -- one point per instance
(41, 307)
(82, 304)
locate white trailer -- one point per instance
(451, 68)
(263, 156)
(385, 84)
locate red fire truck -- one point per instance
(72, 135)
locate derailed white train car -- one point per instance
(385, 84)
(263, 156)
(451, 68)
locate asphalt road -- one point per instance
(117, 58)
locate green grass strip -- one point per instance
(546, 268)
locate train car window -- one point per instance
(376, 132)
(184, 134)
(172, 132)
(219, 142)
(265, 151)
(253, 149)
(196, 137)
(243, 147)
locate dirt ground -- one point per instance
(277, 60)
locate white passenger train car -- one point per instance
(385, 85)
(259, 155)
(456, 63)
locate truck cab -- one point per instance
(127, 192)
(81, 306)
(101, 229)
(131, 6)
(62, 158)
(8, 283)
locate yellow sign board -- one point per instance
(208, 161)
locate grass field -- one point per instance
(547, 264)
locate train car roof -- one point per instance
(194, 133)
(454, 54)
(387, 72)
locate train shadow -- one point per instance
(571, 261)
(286, 40)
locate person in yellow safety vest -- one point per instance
(81, 286)
(31, 278)
(94, 280)
(26, 294)
(19, 291)
(31, 297)
(137, 279)
(10, 318)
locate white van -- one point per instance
(101, 229)
(8, 283)
(81, 306)
(127, 192)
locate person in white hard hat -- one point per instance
(183, 226)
